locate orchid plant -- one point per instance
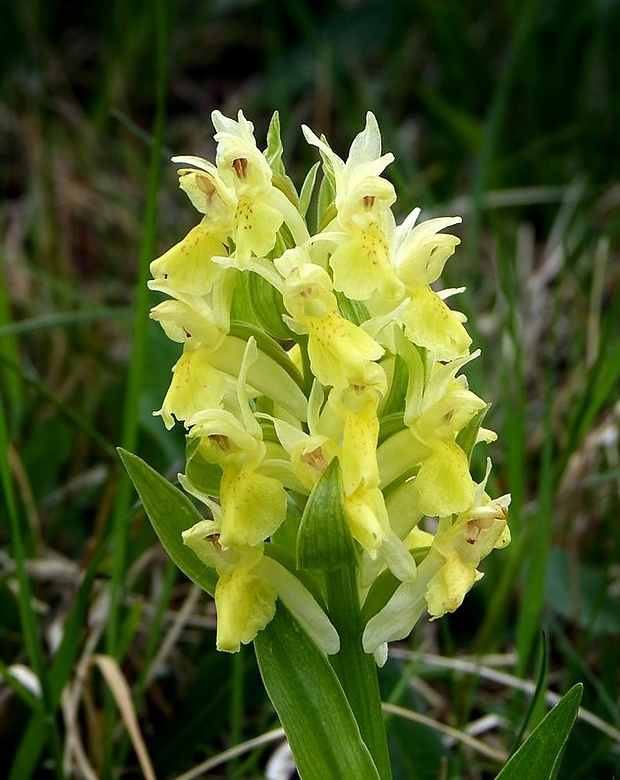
(329, 428)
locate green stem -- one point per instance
(356, 669)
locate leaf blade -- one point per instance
(170, 513)
(303, 687)
(541, 754)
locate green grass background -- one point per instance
(505, 113)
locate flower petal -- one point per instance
(245, 603)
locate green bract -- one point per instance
(319, 387)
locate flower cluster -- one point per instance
(315, 350)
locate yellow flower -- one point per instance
(188, 320)
(362, 227)
(357, 407)
(208, 192)
(430, 323)
(359, 187)
(448, 571)
(420, 251)
(253, 504)
(237, 194)
(443, 485)
(245, 601)
(462, 545)
(341, 353)
(188, 266)
(196, 385)
(238, 154)
(249, 584)
(361, 262)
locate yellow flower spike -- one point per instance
(376, 340)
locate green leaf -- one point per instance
(324, 540)
(307, 189)
(170, 513)
(266, 305)
(326, 207)
(541, 754)
(274, 150)
(466, 438)
(352, 310)
(311, 704)
(394, 403)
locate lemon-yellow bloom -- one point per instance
(319, 369)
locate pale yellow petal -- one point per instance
(187, 266)
(361, 265)
(448, 587)
(195, 386)
(368, 518)
(245, 604)
(341, 353)
(444, 485)
(430, 323)
(209, 194)
(358, 460)
(253, 507)
(255, 227)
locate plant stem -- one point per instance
(356, 669)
